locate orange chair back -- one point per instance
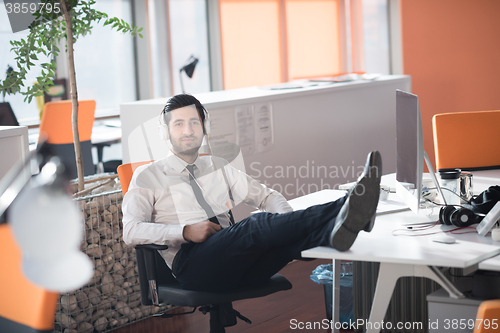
(467, 140)
(125, 172)
(56, 121)
(488, 317)
(24, 306)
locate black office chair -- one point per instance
(159, 287)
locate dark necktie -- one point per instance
(199, 196)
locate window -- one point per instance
(313, 38)
(26, 113)
(272, 41)
(189, 36)
(376, 36)
(177, 30)
(104, 61)
(251, 42)
(104, 64)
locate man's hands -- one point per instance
(200, 232)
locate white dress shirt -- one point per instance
(160, 201)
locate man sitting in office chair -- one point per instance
(182, 201)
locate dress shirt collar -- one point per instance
(179, 165)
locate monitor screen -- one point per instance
(409, 149)
(7, 116)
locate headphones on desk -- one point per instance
(163, 127)
(458, 216)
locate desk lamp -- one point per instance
(47, 226)
(189, 69)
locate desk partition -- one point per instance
(13, 147)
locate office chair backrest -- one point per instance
(487, 316)
(57, 121)
(24, 307)
(467, 140)
(125, 172)
(57, 125)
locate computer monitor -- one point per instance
(410, 153)
(7, 116)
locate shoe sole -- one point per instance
(358, 213)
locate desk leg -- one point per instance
(336, 294)
(388, 275)
(100, 165)
(435, 274)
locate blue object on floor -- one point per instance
(323, 274)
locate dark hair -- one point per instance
(180, 101)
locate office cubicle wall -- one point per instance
(13, 147)
(297, 141)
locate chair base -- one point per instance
(221, 316)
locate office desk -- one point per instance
(102, 135)
(399, 255)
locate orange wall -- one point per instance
(451, 48)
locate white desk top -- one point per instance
(104, 134)
(492, 264)
(382, 246)
(101, 134)
(481, 180)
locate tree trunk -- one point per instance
(74, 94)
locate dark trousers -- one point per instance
(253, 250)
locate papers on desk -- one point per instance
(393, 203)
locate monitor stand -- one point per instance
(433, 176)
(423, 215)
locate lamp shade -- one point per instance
(49, 230)
(190, 66)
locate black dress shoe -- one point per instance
(358, 211)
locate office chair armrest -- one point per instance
(147, 253)
(149, 258)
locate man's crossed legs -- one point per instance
(256, 248)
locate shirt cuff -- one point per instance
(174, 235)
(276, 203)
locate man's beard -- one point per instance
(189, 150)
